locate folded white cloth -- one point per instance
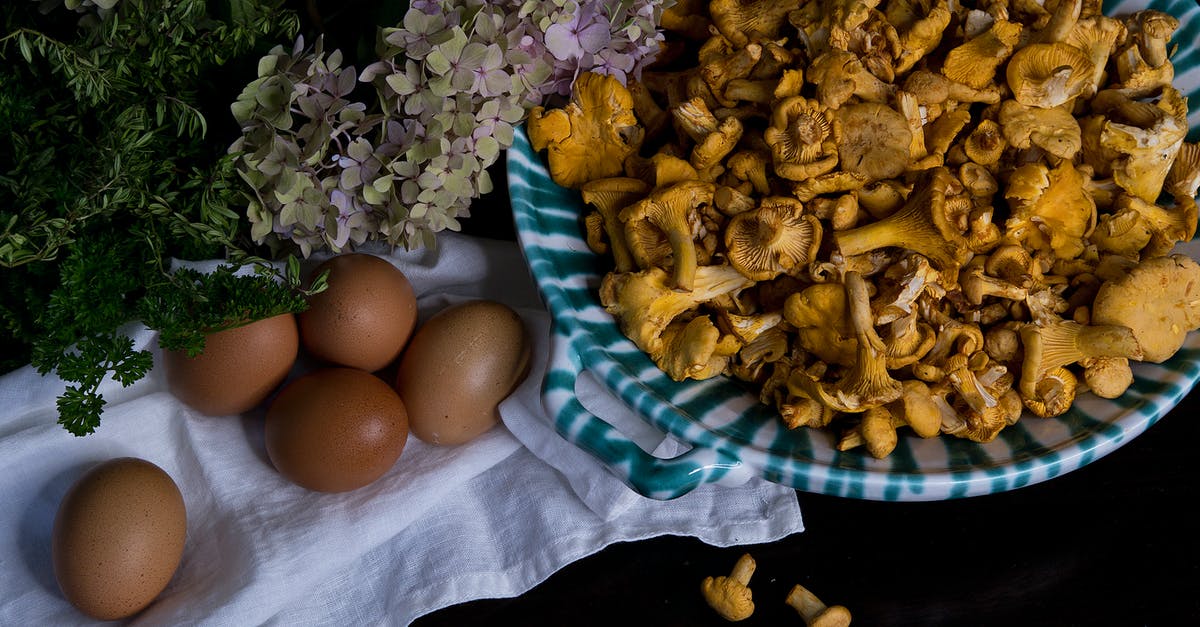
(484, 520)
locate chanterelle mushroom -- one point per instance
(1159, 299)
(803, 138)
(1048, 75)
(644, 304)
(592, 135)
(1050, 347)
(731, 596)
(695, 349)
(875, 142)
(666, 211)
(743, 21)
(921, 225)
(1051, 209)
(974, 62)
(1146, 153)
(814, 612)
(1054, 130)
(866, 383)
(606, 234)
(777, 237)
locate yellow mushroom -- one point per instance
(1159, 299)
(644, 303)
(1183, 179)
(1097, 36)
(875, 140)
(605, 232)
(975, 61)
(591, 136)
(744, 21)
(840, 76)
(866, 382)
(814, 612)
(921, 225)
(694, 349)
(818, 313)
(1054, 130)
(803, 139)
(776, 238)
(921, 27)
(1153, 30)
(1146, 153)
(714, 138)
(730, 595)
(1051, 211)
(1050, 347)
(1107, 377)
(667, 214)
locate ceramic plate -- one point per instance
(732, 437)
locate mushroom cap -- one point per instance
(1055, 130)
(776, 238)
(591, 136)
(833, 616)
(875, 141)
(798, 137)
(974, 61)
(694, 349)
(1147, 154)
(727, 597)
(917, 409)
(1159, 299)
(1184, 177)
(1051, 208)
(1048, 75)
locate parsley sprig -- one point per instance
(109, 170)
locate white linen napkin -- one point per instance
(484, 520)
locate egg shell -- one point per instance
(458, 367)
(365, 316)
(238, 369)
(118, 537)
(335, 429)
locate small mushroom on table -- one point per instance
(730, 596)
(814, 612)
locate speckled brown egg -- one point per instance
(118, 537)
(458, 367)
(365, 316)
(238, 369)
(336, 429)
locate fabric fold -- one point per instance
(492, 518)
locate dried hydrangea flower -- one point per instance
(451, 81)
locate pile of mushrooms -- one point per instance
(909, 214)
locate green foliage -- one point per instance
(107, 173)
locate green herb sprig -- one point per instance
(109, 170)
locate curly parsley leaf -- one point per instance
(110, 168)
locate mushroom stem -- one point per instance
(916, 226)
(814, 612)
(743, 570)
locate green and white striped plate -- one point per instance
(732, 437)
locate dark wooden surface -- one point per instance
(1116, 542)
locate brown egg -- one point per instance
(365, 316)
(118, 537)
(335, 429)
(457, 368)
(238, 369)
